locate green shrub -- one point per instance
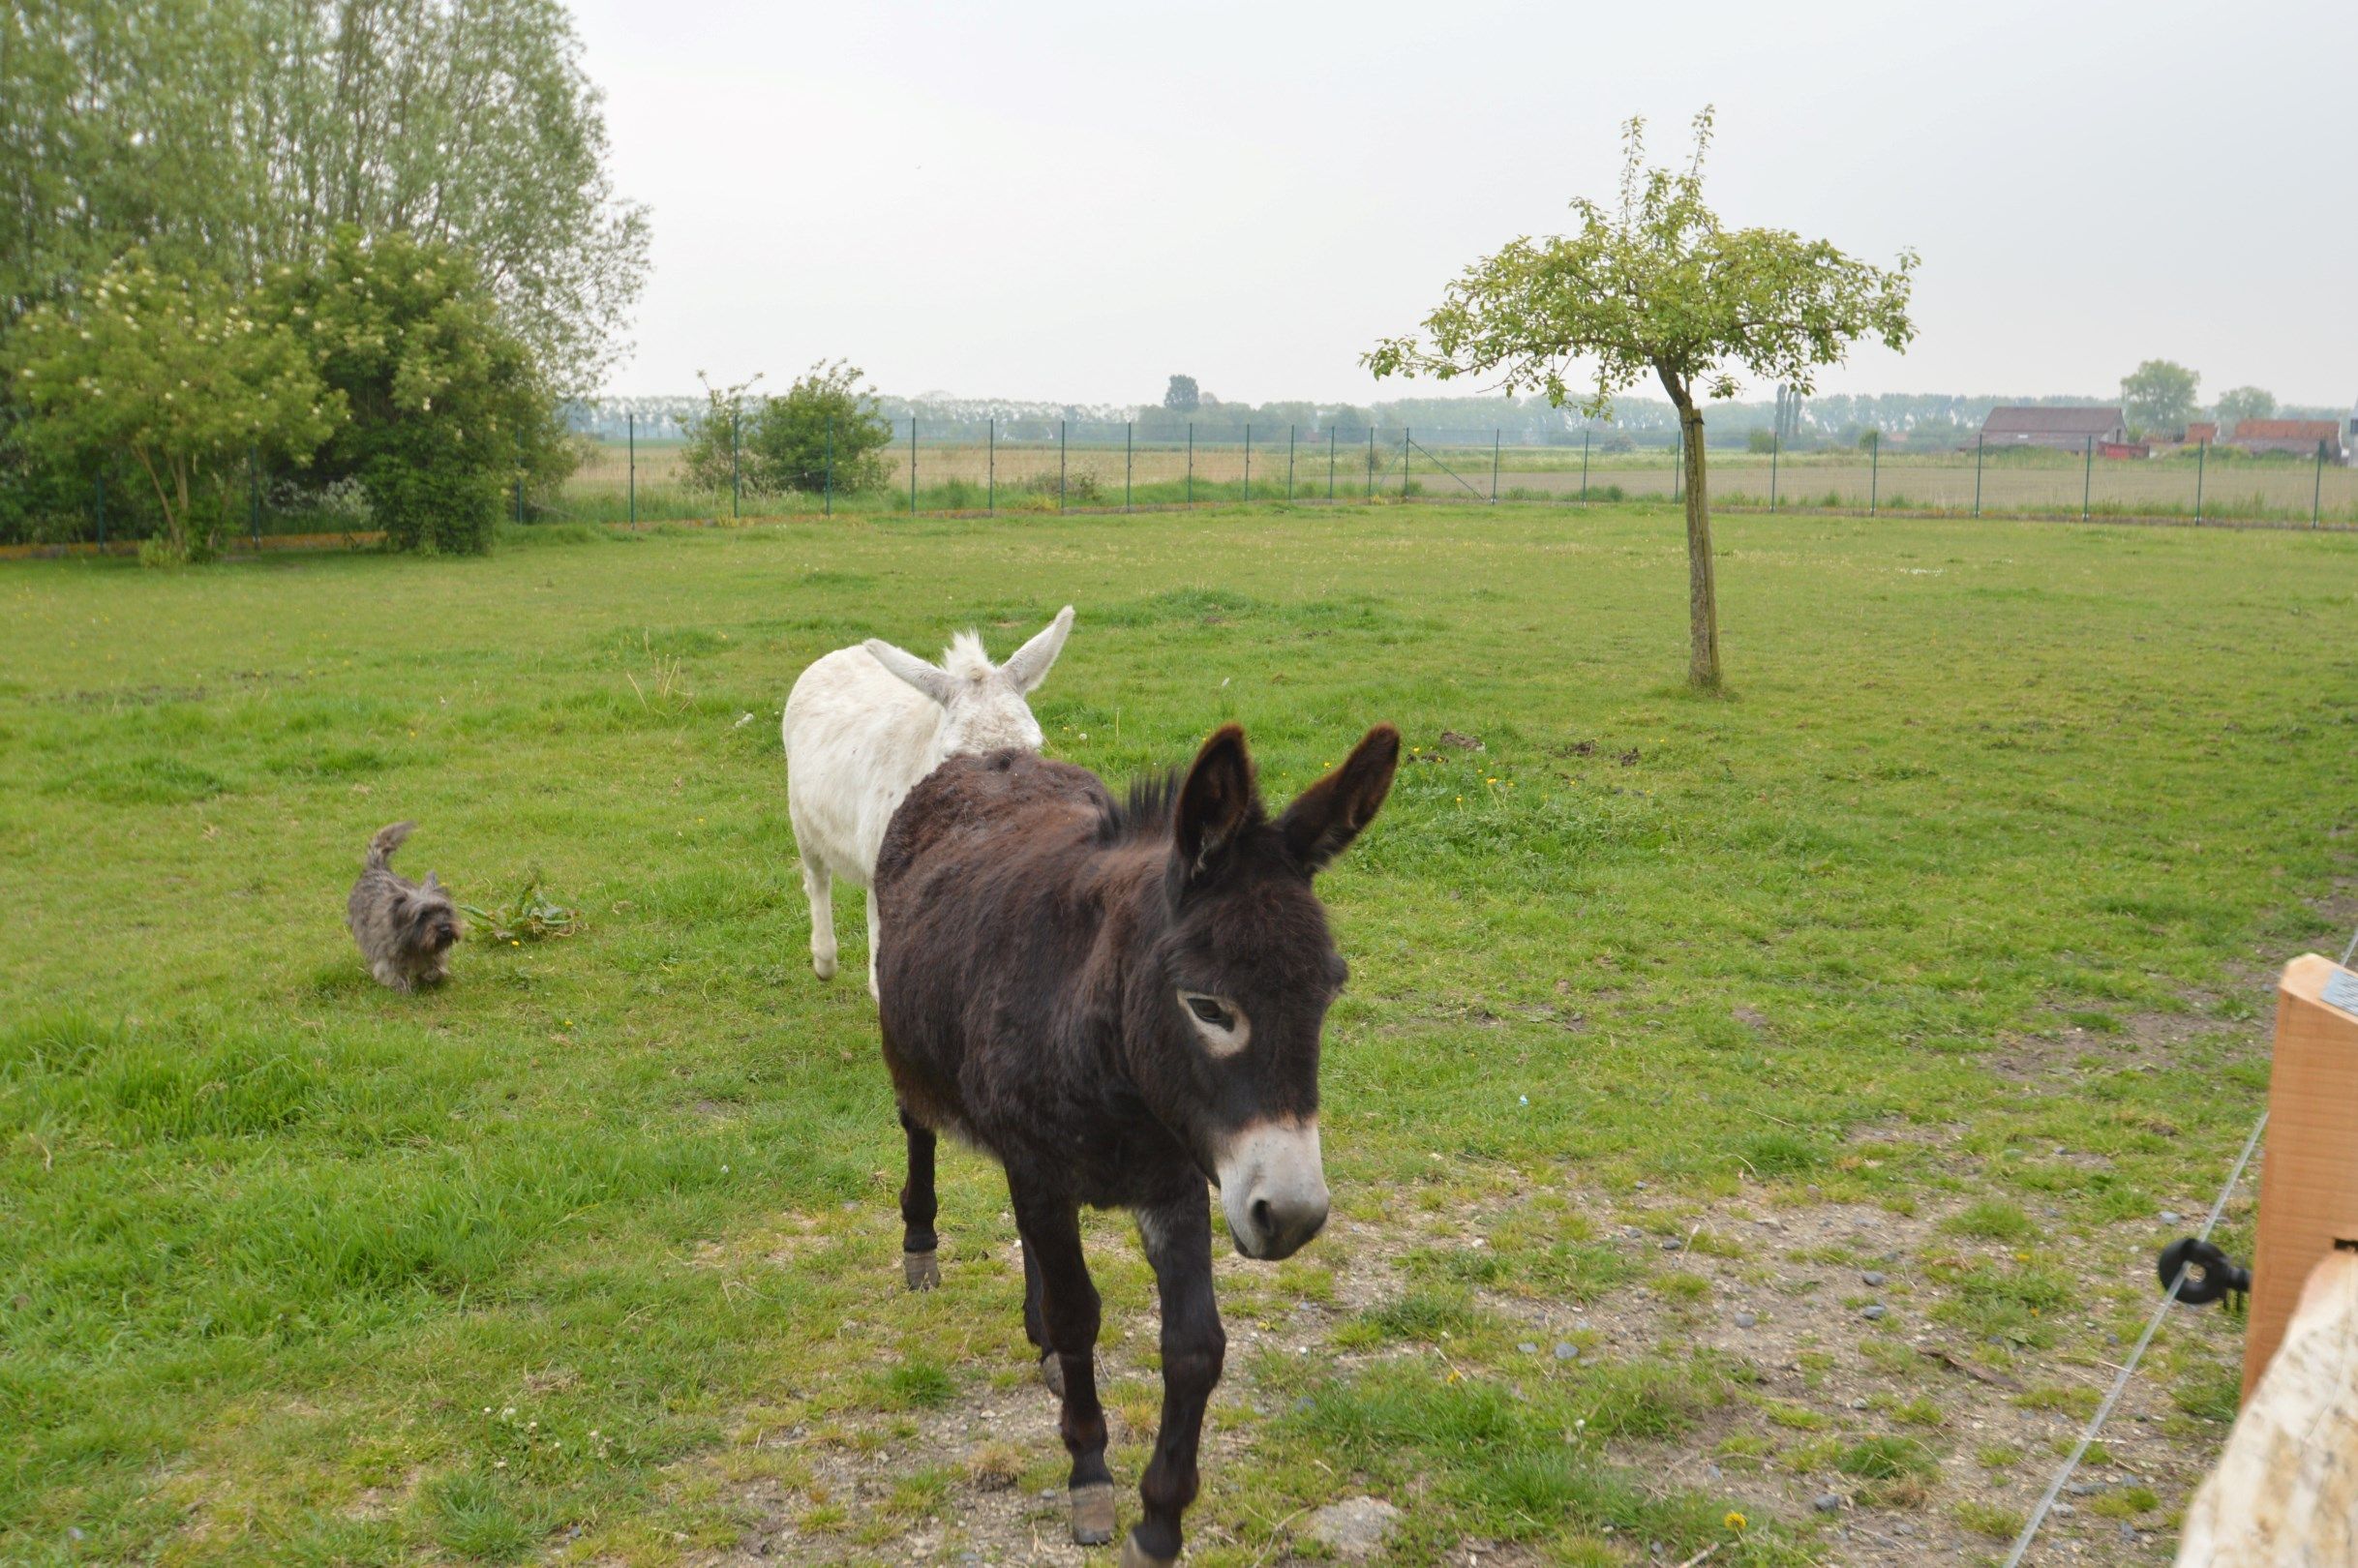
(446, 408)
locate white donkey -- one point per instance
(863, 724)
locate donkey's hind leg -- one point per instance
(919, 1264)
(1068, 1311)
(819, 887)
(1035, 1326)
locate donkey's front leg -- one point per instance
(919, 1263)
(1050, 1226)
(1178, 1238)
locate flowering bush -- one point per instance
(181, 374)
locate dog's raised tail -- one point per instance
(386, 841)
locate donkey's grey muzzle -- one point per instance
(1273, 1188)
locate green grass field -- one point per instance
(1707, 1063)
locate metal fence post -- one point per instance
(2087, 473)
(1060, 465)
(1126, 465)
(1976, 477)
(1495, 436)
(990, 465)
(912, 465)
(1330, 466)
(1371, 495)
(737, 489)
(1776, 443)
(1191, 463)
(1874, 469)
(1248, 465)
(630, 437)
(253, 498)
(2202, 450)
(2316, 489)
(829, 501)
(1404, 463)
(1584, 466)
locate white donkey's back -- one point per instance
(863, 724)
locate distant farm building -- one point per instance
(2202, 433)
(2300, 436)
(2069, 428)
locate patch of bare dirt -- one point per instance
(1787, 1297)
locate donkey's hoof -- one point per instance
(1052, 1374)
(1093, 1513)
(1134, 1555)
(823, 968)
(922, 1269)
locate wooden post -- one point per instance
(2309, 1183)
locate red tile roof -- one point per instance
(2287, 429)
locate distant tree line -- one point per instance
(1924, 419)
(353, 252)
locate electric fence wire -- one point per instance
(2152, 1326)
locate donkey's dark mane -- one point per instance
(1145, 814)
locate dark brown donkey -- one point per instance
(1120, 1002)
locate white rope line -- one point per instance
(2096, 1423)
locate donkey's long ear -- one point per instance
(1028, 666)
(1217, 801)
(1326, 816)
(932, 679)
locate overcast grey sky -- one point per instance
(1070, 201)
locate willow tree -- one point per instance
(1659, 284)
(236, 136)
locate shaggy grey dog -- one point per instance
(405, 929)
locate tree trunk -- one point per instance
(1702, 596)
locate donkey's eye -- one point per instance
(1220, 1023)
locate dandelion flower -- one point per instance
(1734, 1521)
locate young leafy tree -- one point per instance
(2238, 404)
(826, 423)
(1659, 286)
(447, 405)
(2159, 396)
(1182, 395)
(180, 373)
(718, 435)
